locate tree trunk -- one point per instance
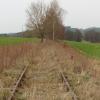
(42, 37)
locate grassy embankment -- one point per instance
(90, 49)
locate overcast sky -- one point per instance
(80, 14)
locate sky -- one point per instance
(79, 14)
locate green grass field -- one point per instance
(15, 40)
(90, 49)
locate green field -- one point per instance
(90, 49)
(15, 40)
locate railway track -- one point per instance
(45, 79)
(64, 80)
(68, 86)
(17, 84)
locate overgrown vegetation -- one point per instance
(12, 48)
(12, 60)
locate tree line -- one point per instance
(72, 34)
(75, 34)
(92, 36)
(46, 21)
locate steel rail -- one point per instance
(13, 91)
(67, 84)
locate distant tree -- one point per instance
(45, 20)
(79, 35)
(92, 36)
(73, 34)
(53, 21)
(36, 16)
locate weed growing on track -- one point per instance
(13, 55)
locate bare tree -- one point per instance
(53, 21)
(45, 20)
(36, 16)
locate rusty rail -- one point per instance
(67, 84)
(13, 91)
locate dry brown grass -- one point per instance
(43, 82)
(84, 75)
(9, 54)
(12, 60)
